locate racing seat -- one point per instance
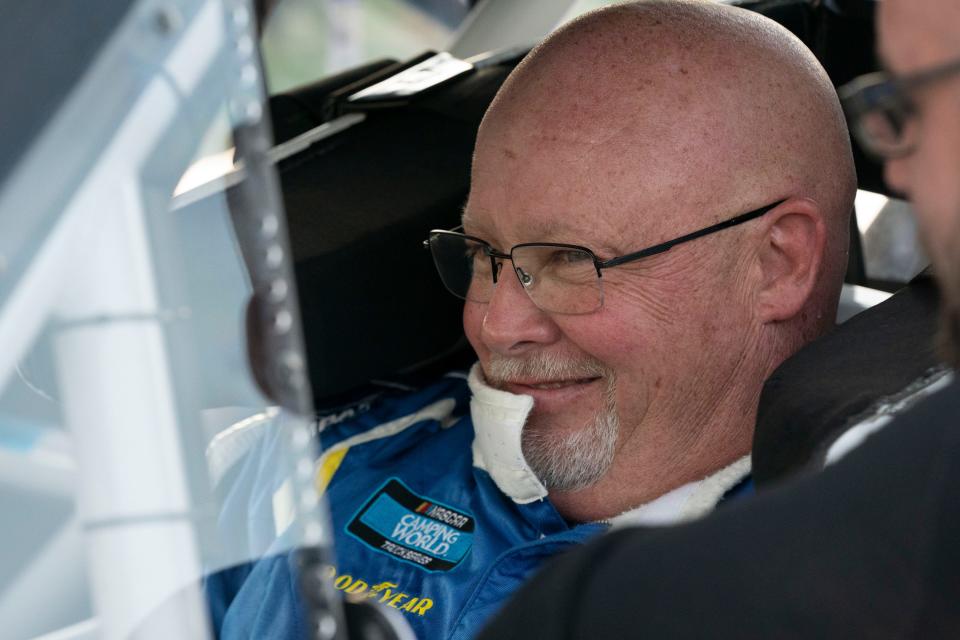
(869, 369)
(359, 205)
(360, 202)
(362, 182)
(880, 362)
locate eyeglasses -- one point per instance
(881, 110)
(558, 278)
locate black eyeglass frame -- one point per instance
(599, 264)
(883, 90)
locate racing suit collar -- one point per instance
(687, 502)
(498, 419)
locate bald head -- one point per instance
(700, 101)
(629, 127)
(684, 111)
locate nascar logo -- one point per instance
(448, 516)
(423, 532)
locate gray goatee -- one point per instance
(563, 461)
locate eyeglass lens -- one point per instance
(557, 279)
(887, 132)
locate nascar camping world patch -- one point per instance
(412, 528)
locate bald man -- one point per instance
(867, 548)
(624, 130)
(657, 218)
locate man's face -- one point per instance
(637, 375)
(916, 36)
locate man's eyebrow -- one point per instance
(883, 61)
(544, 232)
(468, 219)
(554, 231)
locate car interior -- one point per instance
(365, 195)
(366, 169)
(370, 159)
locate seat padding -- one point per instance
(832, 382)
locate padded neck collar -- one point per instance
(498, 418)
(687, 502)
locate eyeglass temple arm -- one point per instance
(666, 246)
(923, 77)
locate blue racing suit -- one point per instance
(419, 524)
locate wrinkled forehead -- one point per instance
(507, 225)
(641, 175)
(553, 198)
(597, 182)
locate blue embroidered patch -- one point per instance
(423, 532)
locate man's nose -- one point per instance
(895, 173)
(513, 324)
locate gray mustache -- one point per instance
(500, 370)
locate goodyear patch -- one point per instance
(418, 530)
(386, 593)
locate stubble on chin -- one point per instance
(563, 461)
(577, 460)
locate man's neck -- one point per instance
(639, 476)
(644, 468)
(694, 441)
(618, 493)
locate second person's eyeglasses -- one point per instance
(880, 108)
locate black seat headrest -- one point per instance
(359, 205)
(835, 380)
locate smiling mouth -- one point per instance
(549, 379)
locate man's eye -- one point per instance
(568, 256)
(479, 258)
(477, 252)
(898, 115)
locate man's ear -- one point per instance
(791, 257)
